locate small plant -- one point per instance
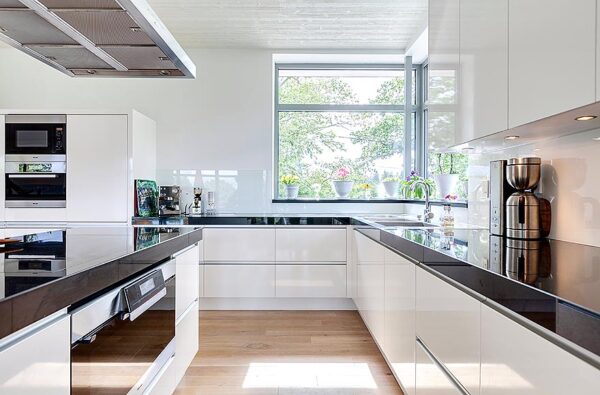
(289, 179)
(450, 197)
(342, 174)
(412, 179)
(365, 186)
(391, 179)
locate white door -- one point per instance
(97, 168)
(552, 57)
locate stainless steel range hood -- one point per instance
(90, 38)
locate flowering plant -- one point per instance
(342, 174)
(412, 179)
(450, 197)
(289, 179)
(365, 186)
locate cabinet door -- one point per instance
(552, 50)
(188, 277)
(448, 322)
(97, 168)
(239, 281)
(39, 363)
(310, 245)
(239, 244)
(399, 328)
(483, 68)
(514, 360)
(430, 378)
(186, 340)
(310, 281)
(442, 73)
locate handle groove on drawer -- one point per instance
(443, 368)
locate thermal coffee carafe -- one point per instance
(196, 208)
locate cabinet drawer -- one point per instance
(367, 250)
(310, 245)
(188, 279)
(526, 363)
(448, 322)
(431, 379)
(239, 245)
(186, 341)
(310, 281)
(238, 281)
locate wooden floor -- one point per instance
(286, 353)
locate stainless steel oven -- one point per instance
(36, 181)
(35, 134)
(122, 339)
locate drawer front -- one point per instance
(239, 244)
(367, 250)
(310, 245)
(188, 279)
(448, 322)
(515, 360)
(431, 379)
(186, 340)
(311, 281)
(239, 281)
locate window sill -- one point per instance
(462, 204)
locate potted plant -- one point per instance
(342, 182)
(391, 185)
(291, 185)
(367, 189)
(446, 177)
(417, 193)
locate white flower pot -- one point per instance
(343, 188)
(291, 191)
(391, 188)
(446, 184)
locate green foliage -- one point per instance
(413, 181)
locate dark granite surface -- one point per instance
(551, 283)
(247, 219)
(48, 271)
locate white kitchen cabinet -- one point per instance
(310, 281)
(186, 340)
(239, 281)
(443, 73)
(430, 378)
(310, 245)
(370, 285)
(2, 166)
(448, 322)
(39, 362)
(515, 360)
(399, 328)
(97, 168)
(483, 68)
(552, 57)
(248, 244)
(164, 383)
(187, 268)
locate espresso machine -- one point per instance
(168, 200)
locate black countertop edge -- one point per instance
(271, 219)
(569, 326)
(26, 308)
(332, 201)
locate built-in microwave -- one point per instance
(35, 135)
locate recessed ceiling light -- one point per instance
(91, 71)
(511, 137)
(586, 118)
(3, 30)
(50, 58)
(596, 138)
(165, 58)
(135, 29)
(164, 72)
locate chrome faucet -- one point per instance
(427, 214)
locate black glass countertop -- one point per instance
(47, 271)
(245, 219)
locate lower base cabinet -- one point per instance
(310, 281)
(517, 361)
(239, 281)
(430, 378)
(186, 340)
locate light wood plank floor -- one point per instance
(286, 353)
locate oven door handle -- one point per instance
(32, 176)
(133, 314)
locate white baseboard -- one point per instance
(277, 304)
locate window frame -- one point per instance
(416, 161)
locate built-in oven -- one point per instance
(36, 181)
(122, 339)
(35, 134)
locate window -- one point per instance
(351, 117)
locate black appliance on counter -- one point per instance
(33, 262)
(123, 338)
(168, 200)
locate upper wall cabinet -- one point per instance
(442, 76)
(483, 68)
(552, 57)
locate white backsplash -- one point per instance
(569, 182)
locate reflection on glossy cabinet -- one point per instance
(239, 244)
(310, 281)
(483, 68)
(442, 75)
(188, 277)
(448, 321)
(399, 331)
(515, 361)
(430, 379)
(552, 57)
(310, 245)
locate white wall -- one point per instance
(214, 131)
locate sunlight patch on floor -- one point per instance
(309, 375)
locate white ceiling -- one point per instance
(294, 24)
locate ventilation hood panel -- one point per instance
(88, 38)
